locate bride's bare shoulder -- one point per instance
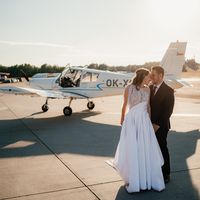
(127, 88)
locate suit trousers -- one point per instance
(161, 135)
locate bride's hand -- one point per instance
(155, 127)
(122, 120)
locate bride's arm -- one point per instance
(123, 111)
(148, 106)
(149, 109)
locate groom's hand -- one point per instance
(155, 127)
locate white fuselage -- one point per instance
(107, 84)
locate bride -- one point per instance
(138, 158)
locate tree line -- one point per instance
(30, 70)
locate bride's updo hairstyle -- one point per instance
(140, 75)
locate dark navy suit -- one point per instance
(162, 104)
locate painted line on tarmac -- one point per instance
(173, 115)
(184, 170)
(185, 115)
(191, 79)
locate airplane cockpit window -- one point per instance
(70, 78)
(77, 78)
(87, 77)
(90, 77)
(95, 77)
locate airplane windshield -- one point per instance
(65, 71)
(70, 78)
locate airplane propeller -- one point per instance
(24, 74)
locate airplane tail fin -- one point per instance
(174, 59)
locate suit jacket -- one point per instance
(162, 104)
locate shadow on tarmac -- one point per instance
(74, 135)
(77, 135)
(182, 145)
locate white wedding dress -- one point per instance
(138, 158)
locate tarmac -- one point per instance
(50, 156)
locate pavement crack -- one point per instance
(185, 170)
(107, 182)
(39, 193)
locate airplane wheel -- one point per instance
(90, 105)
(45, 108)
(67, 111)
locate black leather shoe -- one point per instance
(167, 179)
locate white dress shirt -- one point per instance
(157, 87)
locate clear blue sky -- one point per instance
(80, 32)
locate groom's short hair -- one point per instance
(158, 69)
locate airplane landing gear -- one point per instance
(90, 105)
(45, 107)
(67, 111)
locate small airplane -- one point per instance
(85, 83)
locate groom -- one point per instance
(162, 104)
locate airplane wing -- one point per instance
(37, 92)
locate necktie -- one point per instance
(154, 90)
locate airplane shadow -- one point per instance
(75, 135)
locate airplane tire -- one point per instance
(67, 111)
(90, 105)
(45, 108)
